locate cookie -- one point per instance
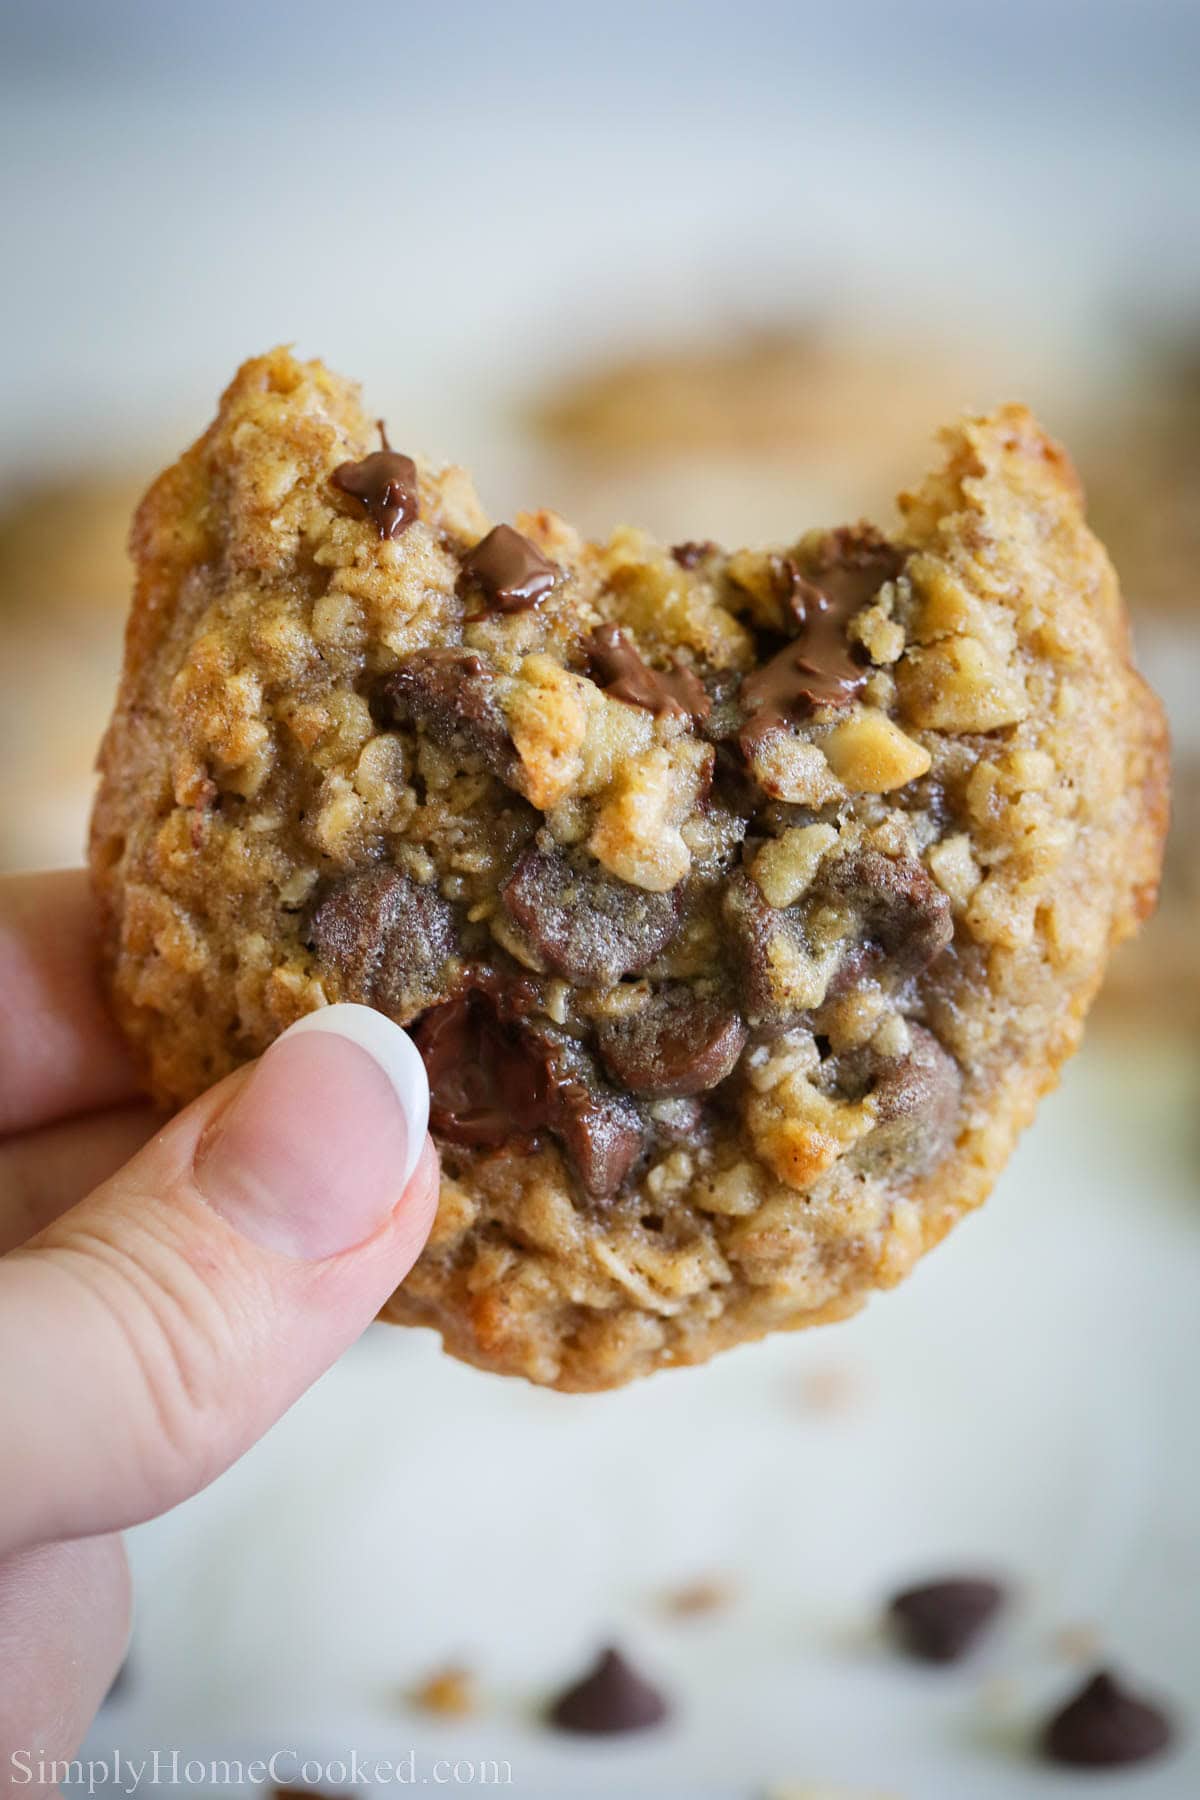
(1142, 467)
(742, 904)
(739, 432)
(64, 582)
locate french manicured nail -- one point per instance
(316, 1149)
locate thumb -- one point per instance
(154, 1331)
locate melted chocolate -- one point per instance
(385, 483)
(616, 665)
(488, 1081)
(818, 668)
(510, 572)
(494, 1076)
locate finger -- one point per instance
(64, 1627)
(160, 1326)
(42, 1173)
(60, 1053)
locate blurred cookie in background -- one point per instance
(1143, 479)
(751, 433)
(64, 592)
(1140, 460)
(1153, 982)
(63, 543)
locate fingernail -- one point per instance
(314, 1152)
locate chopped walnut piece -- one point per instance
(636, 834)
(785, 866)
(958, 685)
(870, 754)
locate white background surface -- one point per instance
(1025, 1404)
(447, 203)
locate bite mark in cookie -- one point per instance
(742, 903)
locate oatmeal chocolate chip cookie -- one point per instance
(742, 905)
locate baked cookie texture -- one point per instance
(743, 905)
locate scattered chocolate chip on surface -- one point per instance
(942, 1620)
(385, 483)
(511, 573)
(616, 665)
(307, 1793)
(612, 1697)
(1104, 1726)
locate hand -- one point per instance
(157, 1314)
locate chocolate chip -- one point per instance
(851, 564)
(387, 940)
(677, 1044)
(451, 694)
(488, 1080)
(765, 941)
(1104, 1726)
(690, 555)
(385, 483)
(733, 787)
(584, 923)
(612, 1697)
(602, 1134)
(509, 571)
(620, 671)
(819, 667)
(903, 917)
(496, 1075)
(942, 1620)
(306, 1793)
(809, 672)
(682, 1121)
(916, 1099)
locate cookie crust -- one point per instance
(785, 984)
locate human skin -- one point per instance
(167, 1287)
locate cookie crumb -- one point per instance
(1076, 1643)
(831, 1390)
(706, 1594)
(450, 1691)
